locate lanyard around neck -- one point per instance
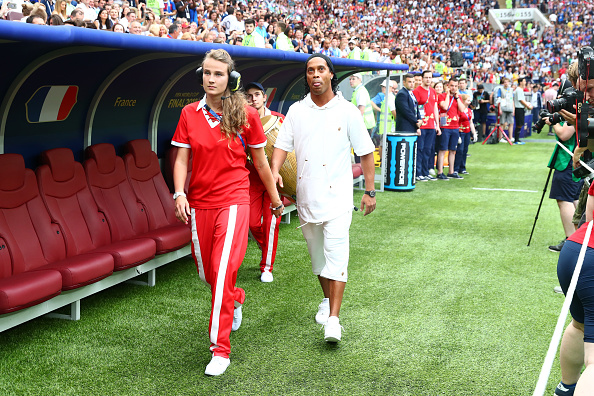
(218, 117)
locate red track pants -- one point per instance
(264, 226)
(219, 242)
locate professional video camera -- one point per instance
(554, 118)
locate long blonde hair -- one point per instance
(234, 113)
(58, 9)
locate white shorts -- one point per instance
(328, 245)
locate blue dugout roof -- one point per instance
(72, 87)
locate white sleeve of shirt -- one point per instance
(284, 140)
(391, 104)
(358, 135)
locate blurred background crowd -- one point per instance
(420, 33)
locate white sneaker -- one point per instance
(323, 311)
(237, 317)
(432, 172)
(266, 277)
(217, 366)
(332, 330)
(557, 289)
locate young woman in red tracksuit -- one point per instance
(466, 127)
(218, 130)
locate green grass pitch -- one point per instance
(444, 298)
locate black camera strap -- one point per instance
(581, 125)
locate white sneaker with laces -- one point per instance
(332, 330)
(237, 317)
(323, 311)
(266, 277)
(217, 366)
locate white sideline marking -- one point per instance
(503, 189)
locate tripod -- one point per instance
(544, 191)
(497, 129)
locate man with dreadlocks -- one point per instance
(321, 128)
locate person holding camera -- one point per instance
(565, 189)
(577, 345)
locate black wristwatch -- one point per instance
(370, 193)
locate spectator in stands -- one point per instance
(173, 31)
(325, 208)
(49, 7)
(135, 28)
(103, 22)
(89, 14)
(238, 24)
(148, 21)
(261, 28)
(223, 207)
(77, 16)
(61, 9)
(282, 41)
(56, 20)
(354, 52)
(169, 9)
(125, 22)
(113, 16)
(118, 28)
(252, 39)
(35, 20)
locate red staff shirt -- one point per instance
(452, 114)
(465, 118)
(219, 176)
(427, 98)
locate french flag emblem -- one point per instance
(51, 103)
(270, 92)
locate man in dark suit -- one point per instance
(408, 117)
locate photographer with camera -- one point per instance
(577, 345)
(565, 189)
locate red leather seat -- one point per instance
(144, 174)
(64, 189)
(32, 243)
(18, 288)
(357, 170)
(109, 185)
(28, 289)
(170, 157)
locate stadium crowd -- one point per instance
(419, 33)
